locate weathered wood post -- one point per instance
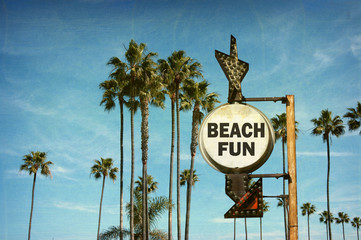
(292, 170)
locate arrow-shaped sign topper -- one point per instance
(234, 69)
(249, 205)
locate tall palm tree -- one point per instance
(166, 74)
(135, 57)
(115, 90)
(356, 223)
(149, 90)
(279, 124)
(326, 125)
(103, 168)
(32, 163)
(308, 209)
(327, 219)
(157, 206)
(342, 218)
(266, 207)
(354, 117)
(195, 95)
(180, 67)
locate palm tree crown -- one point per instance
(325, 125)
(104, 168)
(34, 161)
(308, 209)
(185, 177)
(354, 117)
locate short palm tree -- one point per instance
(308, 209)
(157, 206)
(279, 124)
(103, 168)
(195, 94)
(327, 219)
(342, 218)
(356, 223)
(354, 117)
(115, 91)
(326, 125)
(32, 163)
(185, 177)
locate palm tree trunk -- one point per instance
(245, 228)
(260, 228)
(171, 174)
(234, 229)
(121, 168)
(178, 165)
(357, 233)
(32, 205)
(343, 230)
(308, 226)
(144, 145)
(328, 188)
(132, 174)
(194, 143)
(327, 230)
(284, 189)
(100, 207)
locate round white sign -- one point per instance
(236, 138)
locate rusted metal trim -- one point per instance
(276, 175)
(265, 99)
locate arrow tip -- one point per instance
(233, 50)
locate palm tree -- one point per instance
(327, 126)
(32, 162)
(152, 185)
(354, 117)
(356, 223)
(135, 60)
(185, 177)
(166, 74)
(196, 95)
(179, 67)
(279, 124)
(157, 206)
(103, 168)
(342, 218)
(149, 90)
(327, 219)
(308, 208)
(115, 90)
(266, 207)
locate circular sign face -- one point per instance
(236, 138)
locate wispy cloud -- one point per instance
(356, 46)
(324, 154)
(76, 207)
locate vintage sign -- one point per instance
(236, 138)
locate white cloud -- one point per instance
(356, 46)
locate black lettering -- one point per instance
(235, 130)
(231, 148)
(223, 130)
(257, 130)
(212, 130)
(248, 148)
(222, 147)
(244, 133)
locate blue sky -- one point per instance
(53, 55)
